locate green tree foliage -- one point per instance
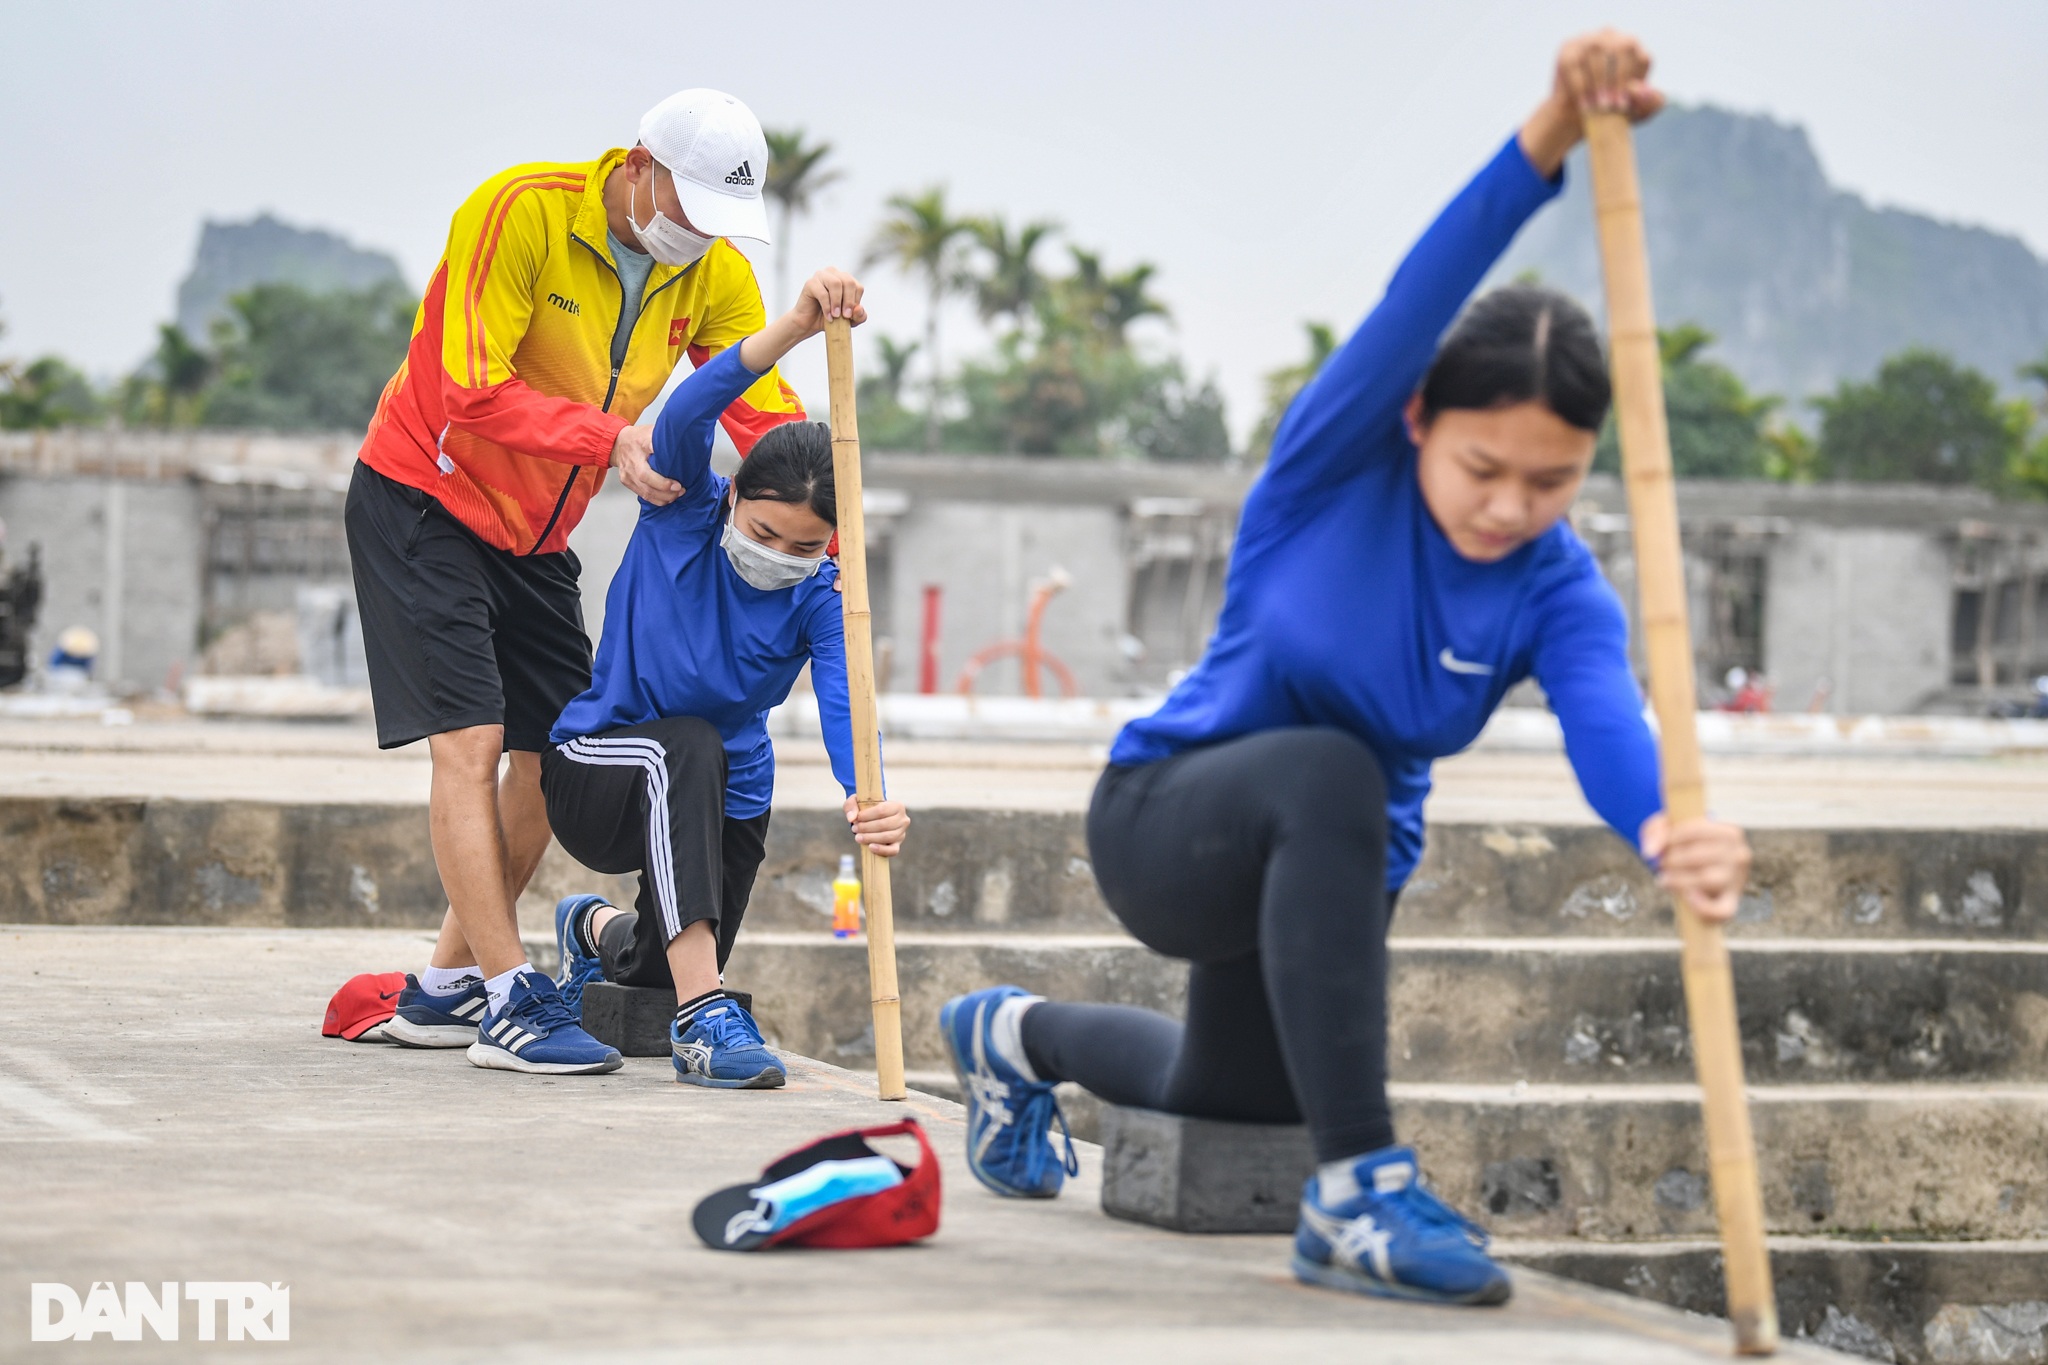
(296, 361)
(885, 423)
(795, 175)
(1719, 430)
(1284, 383)
(1009, 283)
(1066, 378)
(170, 388)
(2029, 470)
(922, 237)
(46, 392)
(1923, 419)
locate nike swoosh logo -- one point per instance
(1458, 665)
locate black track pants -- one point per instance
(1261, 861)
(651, 799)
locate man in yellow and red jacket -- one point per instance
(565, 297)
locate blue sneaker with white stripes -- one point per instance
(1009, 1117)
(427, 1020)
(536, 1032)
(721, 1046)
(1394, 1238)
(579, 968)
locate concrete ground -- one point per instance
(168, 1111)
(198, 760)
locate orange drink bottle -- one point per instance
(845, 899)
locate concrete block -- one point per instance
(1202, 1175)
(635, 1019)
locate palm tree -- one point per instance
(1012, 283)
(922, 237)
(1105, 302)
(793, 177)
(2037, 370)
(1124, 300)
(888, 385)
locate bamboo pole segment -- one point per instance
(1667, 645)
(860, 687)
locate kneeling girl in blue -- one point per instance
(664, 766)
(1402, 561)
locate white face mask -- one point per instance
(667, 241)
(760, 566)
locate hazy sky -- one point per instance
(1273, 159)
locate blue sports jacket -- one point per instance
(1345, 606)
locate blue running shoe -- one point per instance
(579, 968)
(1009, 1118)
(537, 1032)
(425, 1020)
(1395, 1239)
(722, 1047)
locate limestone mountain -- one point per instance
(234, 256)
(1801, 283)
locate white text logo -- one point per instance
(254, 1311)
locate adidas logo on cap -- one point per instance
(742, 174)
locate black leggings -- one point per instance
(651, 799)
(1261, 861)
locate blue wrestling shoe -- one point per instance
(1394, 1238)
(1009, 1117)
(579, 968)
(537, 1032)
(425, 1020)
(720, 1046)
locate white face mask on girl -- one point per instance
(760, 566)
(667, 241)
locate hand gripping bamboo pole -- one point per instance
(1667, 644)
(860, 687)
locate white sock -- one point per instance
(1337, 1181)
(1006, 1032)
(449, 980)
(500, 986)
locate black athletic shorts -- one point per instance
(458, 633)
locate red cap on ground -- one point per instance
(361, 1004)
(901, 1213)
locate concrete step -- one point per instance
(229, 862)
(1626, 1164)
(1029, 871)
(1913, 1303)
(1493, 1010)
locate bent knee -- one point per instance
(471, 752)
(1330, 776)
(691, 736)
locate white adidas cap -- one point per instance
(713, 148)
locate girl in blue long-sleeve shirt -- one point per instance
(1401, 563)
(664, 766)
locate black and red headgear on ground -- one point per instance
(362, 1003)
(890, 1217)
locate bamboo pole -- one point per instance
(1667, 645)
(860, 687)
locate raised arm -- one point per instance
(688, 425)
(682, 437)
(1361, 389)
